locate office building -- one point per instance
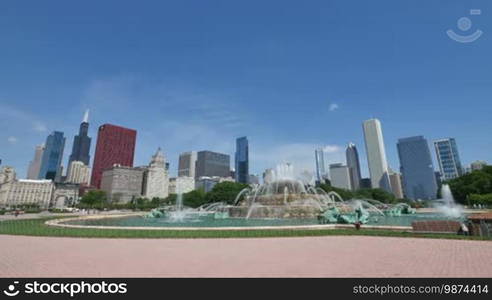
(115, 145)
(448, 158)
(181, 185)
(207, 183)
(242, 160)
(122, 184)
(78, 173)
(16, 192)
(396, 185)
(477, 165)
(81, 143)
(35, 164)
(254, 179)
(352, 156)
(156, 178)
(210, 164)
(376, 155)
(187, 164)
(340, 176)
(365, 183)
(52, 157)
(419, 181)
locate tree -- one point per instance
(225, 192)
(478, 182)
(93, 198)
(345, 194)
(194, 198)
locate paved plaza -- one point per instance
(330, 256)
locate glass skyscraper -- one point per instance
(353, 164)
(242, 160)
(419, 180)
(52, 157)
(81, 143)
(448, 158)
(211, 164)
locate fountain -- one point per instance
(178, 212)
(282, 196)
(285, 199)
(446, 205)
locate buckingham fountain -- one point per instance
(285, 197)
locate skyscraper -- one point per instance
(448, 158)
(211, 164)
(35, 164)
(242, 160)
(376, 155)
(396, 186)
(419, 180)
(353, 164)
(81, 143)
(52, 157)
(340, 176)
(187, 164)
(115, 145)
(78, 173)
(156, 179)
(319, 155)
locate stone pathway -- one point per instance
(331, 256)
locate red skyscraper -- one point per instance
(115, 145)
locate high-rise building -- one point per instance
(376, 155)
(115, 145)
(254, 179)
(321, 175)
(340, 176)
(210, 164)
(187, 164)
(181, 185)
(352, 156)
(242, 160)
(448, 158)
(52, 157)
(78, 173)
(365, 183)
(122, 184)
(419, 181)
(477, 165)
(396, 186)
(35, 164)
(81, 143)
(156, 179)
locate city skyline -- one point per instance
(288, 97)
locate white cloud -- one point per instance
(39, 127)
(333, 106)
(12, 140)
(11, 114)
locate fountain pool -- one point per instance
(208, 220)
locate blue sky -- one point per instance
(194, 75)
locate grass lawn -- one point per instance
(36, 227)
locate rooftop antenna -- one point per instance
(86, 117)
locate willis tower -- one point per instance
(81, 143)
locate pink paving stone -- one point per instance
(331, 256)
